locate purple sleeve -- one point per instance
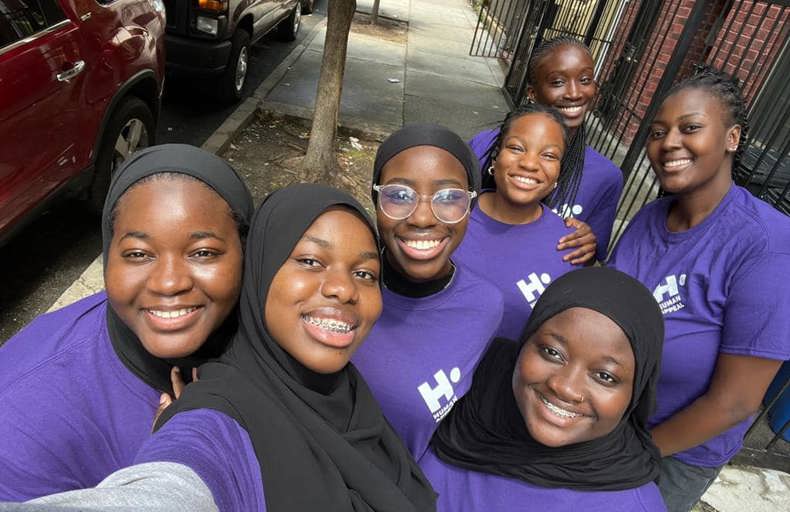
(481, 142)
(757, 314)
(218, 449)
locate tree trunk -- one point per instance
(374, 12)
(320, 162)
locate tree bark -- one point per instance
(374, 12)
(320, 162)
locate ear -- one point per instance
(733, 138)
(530, 94)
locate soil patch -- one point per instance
(263, 152)
(386, 28)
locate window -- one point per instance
(23, 18)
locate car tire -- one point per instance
(289, 27)
(231, 83)
(130, 128)
(307, 6)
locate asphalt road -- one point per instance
(50, 253)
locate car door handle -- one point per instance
(67, 75)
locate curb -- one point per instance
(92, 278)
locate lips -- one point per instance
(676, 164)
(522, 182)
(171, 318)
(422, 248)
(557, 413)
(572, 111)
(331, 326)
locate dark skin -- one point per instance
(692, 142)
(564, 79)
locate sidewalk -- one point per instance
(428, 76)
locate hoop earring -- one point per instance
(490, 170)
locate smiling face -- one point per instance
(565, 79)
(692, 141)
(420, 245)
(325, 298)
(574, 378)
(174, 264)
(528, 163)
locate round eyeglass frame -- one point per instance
(471, 194)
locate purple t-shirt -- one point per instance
(596, 199)
(521, 260)
(722, 288)
(71, 411)
(462, 490)
(218, 449)
(421, 355)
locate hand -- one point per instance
(178, 387)
(583, 238)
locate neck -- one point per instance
(499, 208)
(398, 282)
(691, 208)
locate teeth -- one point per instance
(329, 325)
(677, 163)
(422, 245)
(562, 413)
(526, 181)
(172, 314)
(572, 110)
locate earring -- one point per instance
(555, 185)
(491, 170)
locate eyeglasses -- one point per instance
(449, 205)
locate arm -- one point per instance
(583, 239)
(158, 486)
(735, 393)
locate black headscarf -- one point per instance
(408, 137)
(485, 431)
(320, 447)
(222, 179)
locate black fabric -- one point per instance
(485, 431)
(319, 448)
(413, 135)
(402, 285)
(220, 177)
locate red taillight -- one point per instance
(213, 5)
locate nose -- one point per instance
(529, 161)
(567, 384)
(671, 140)
(573, 90)
(170, 275)
(423, 216)
(339, 284)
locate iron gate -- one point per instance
(643, 47)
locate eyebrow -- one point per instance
(200, 235)
(135, 234)
(364, 255)
(411, 183)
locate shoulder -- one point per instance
(480, 289)
(554, 222)
(601, 167)
(53, 338)
(758, 227)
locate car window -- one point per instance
(23, 18)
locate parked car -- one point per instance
(213, 37)
(80, 88)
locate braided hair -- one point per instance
(727, 89)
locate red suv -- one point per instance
(80, 89)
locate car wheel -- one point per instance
(130, 129)
(289, 27)
(231, 82)
(308, 6)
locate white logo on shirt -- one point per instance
(567, 210)
(667, 293)
(536, 286)
(443, 390)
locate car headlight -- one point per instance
(207, 25)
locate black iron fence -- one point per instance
(643, 47)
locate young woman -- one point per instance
(438, 317)
(711, 252)
(558, 422)
(282, 422)
(561, 74)
(512, 235)
(78, 387)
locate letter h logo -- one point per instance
(443, 388)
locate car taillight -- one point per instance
(213, 5)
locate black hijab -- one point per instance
(410, 136)
(222, 179)
(485, 430)
(320, 447)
